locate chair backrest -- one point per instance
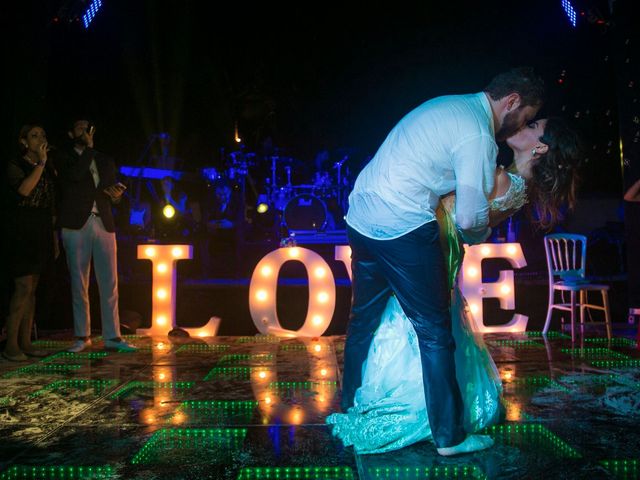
(566, 255)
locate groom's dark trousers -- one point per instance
(413, 267)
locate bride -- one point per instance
(389, 409)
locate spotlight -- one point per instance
(91, 12)
(570, 11)
(262, 208)
(168, 211)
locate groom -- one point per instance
(446, 144)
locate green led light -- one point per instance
(293, 386)
(441, 472)
(301, 347)
(42, 369)
(236, 358)
(533, 383)
(135, 337)
(550, 335)
(615, 363)
(73, 357)
(241, 373)
(202, 348)
(131, 387)
(53, 343)
(217, 411)
(525, 434)
(301, 473)
(614, 342)
(593, 353)
(623, 469)
(293, 347)
(601, 379)
(63, 386)
(259, 339)
(166, 445)
(516, 343)
(56, 472)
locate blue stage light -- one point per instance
(91, 12)
(570, 11)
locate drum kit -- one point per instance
(315, 206)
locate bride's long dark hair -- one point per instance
(555, 174)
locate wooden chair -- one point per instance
(566, 260)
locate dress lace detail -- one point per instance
(514, 198)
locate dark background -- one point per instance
(310, 76)
(298, 79)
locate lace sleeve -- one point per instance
(514, 198)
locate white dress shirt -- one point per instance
(446, 144)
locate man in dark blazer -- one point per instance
(88, 187)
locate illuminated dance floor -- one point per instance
(254, 408)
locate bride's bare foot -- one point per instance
(472, 443)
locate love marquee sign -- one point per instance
(322, 288)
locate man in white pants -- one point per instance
(88, 186)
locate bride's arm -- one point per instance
(501, 187)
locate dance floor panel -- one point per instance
(254, 408)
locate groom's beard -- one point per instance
(510, 126)
(81, 141)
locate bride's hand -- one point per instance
(449, 201)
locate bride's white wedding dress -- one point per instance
(389, 409)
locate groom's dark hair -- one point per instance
(523, 81)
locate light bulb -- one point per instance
(320, 272)
(261, 295)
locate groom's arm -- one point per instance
(474, 164)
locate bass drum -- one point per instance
(305, 212)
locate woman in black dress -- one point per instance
(30, 235)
